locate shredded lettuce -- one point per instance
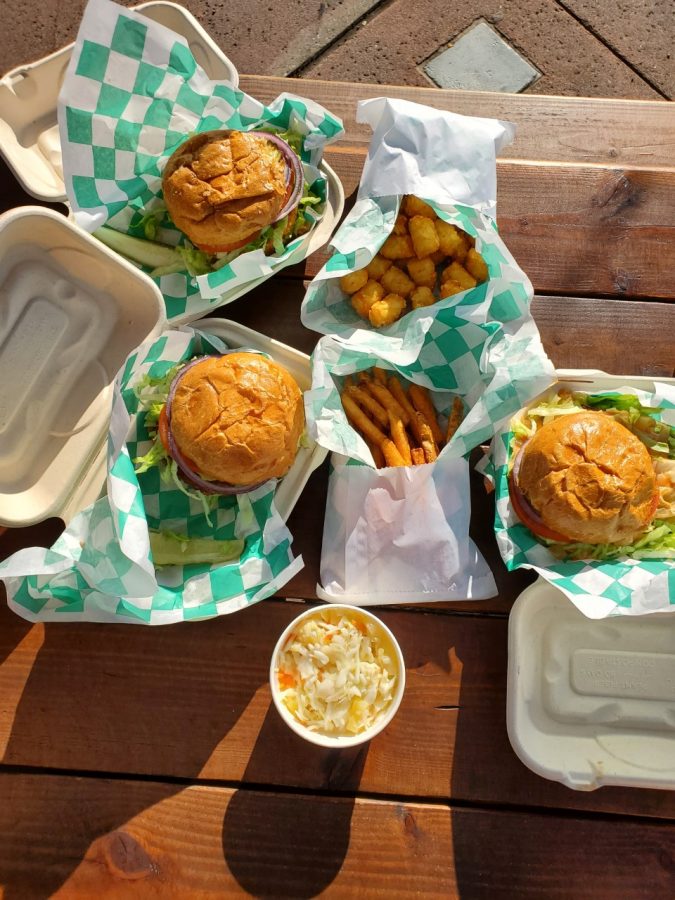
(153, 391)
(155, 456)
(172, 549)
(658, 542)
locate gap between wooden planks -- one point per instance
(192, 702)
(553, 129)
(82, 837)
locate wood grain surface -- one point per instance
(123, 838)
(192, 702)
(548, 129)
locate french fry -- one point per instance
(455, 418)
(422, 403)
(418, 457)
(379, 375)
(401, 397)
(387, 399)
(391, 455)
(361, 422)
(427, 438)
(348, 382)
(378, 455)
(400, 438)
(369, 404)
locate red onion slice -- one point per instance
(202, 484)
(293, 171)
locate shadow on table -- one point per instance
(291, 844)
(123, 700)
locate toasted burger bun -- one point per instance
(222, 187)
(238, 418)
(589, 479)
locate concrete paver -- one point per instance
(481, 60)
(389, 41)
(641, 31)
(391, 46)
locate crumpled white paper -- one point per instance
(453, 158)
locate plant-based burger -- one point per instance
(593, 476)
(222, 424)
(230, 193)
(222, 188)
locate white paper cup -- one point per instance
(339, 741)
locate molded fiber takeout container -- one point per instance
(29, 134)
(591, 702)
(71, 311)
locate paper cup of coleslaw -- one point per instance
(337, 676)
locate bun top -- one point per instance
(238, 418)
(589, 478)
(222, 187)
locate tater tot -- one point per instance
(451, 240)
(401, 224)
(422, 296)
(457, 272)
(354, 281)
(362, 300)
(475, 265)
(377, 267)
(449, 288)
(395, 281)
(422, 271)
(424, 238)
(387, 310)
(413, 206)
(397, 246)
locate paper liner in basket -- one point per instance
(402, 534)
(448, 160)
(132, 94)
(101, 568)
(624, 586)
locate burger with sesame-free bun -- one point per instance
(222, 189)
(593, 476)
(224, 424)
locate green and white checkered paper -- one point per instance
(133, 92)
(101, 568)
(599, 589)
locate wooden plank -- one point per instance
(572, 229)
(80, 837)
(193, 702)
(557, 129)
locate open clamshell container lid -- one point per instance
(70, 313)
(29, 134)
(591, 702)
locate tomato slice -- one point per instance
(163, 429)
(529, 517)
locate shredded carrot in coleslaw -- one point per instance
(343, 671)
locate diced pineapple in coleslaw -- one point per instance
(337, 673)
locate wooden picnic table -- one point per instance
(142, 762)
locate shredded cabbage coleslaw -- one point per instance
(337, 673)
